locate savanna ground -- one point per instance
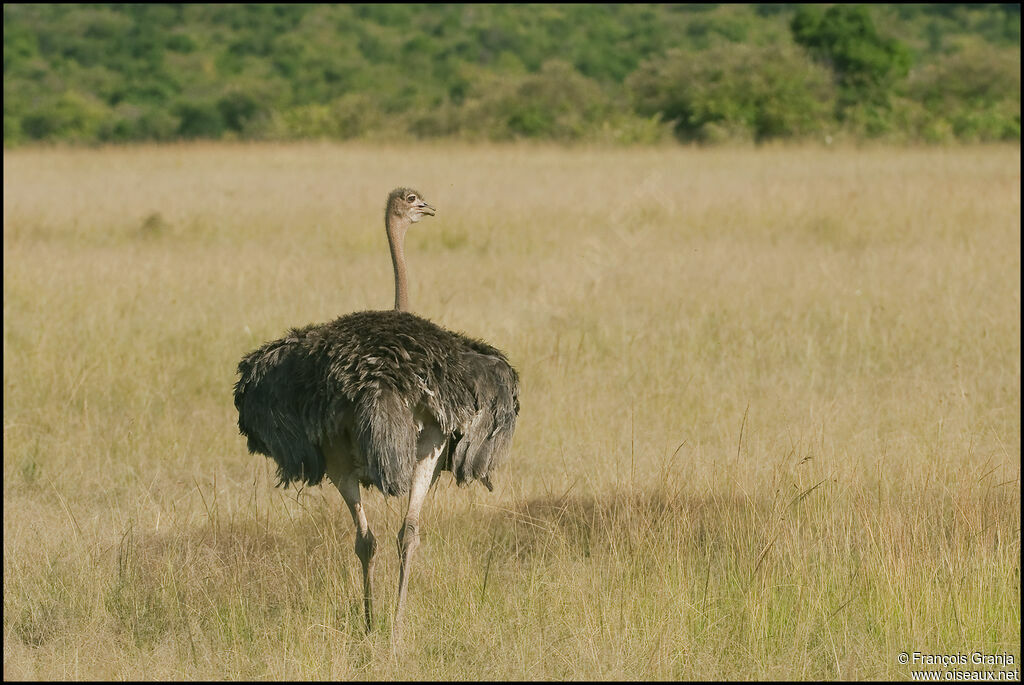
(770, 418)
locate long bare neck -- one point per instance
(396, 228)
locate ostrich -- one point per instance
(384, 399)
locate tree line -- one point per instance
(101, 73)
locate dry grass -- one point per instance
(770, 423)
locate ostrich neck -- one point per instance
(396, 229)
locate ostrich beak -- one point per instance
(427, 209)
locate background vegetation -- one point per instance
(770, 411)
(611, 73)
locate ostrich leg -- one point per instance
(366, 544)
(409, 535)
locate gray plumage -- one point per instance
(367, 373)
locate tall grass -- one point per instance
(770, 415)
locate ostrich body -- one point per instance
(385, 399)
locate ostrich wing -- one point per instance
(484, 440)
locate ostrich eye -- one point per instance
(411, 198)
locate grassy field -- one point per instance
(770, 418)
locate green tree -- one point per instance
(867, 65)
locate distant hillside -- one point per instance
(611, 73)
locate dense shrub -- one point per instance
(133, 123)
(736, 92)
(974, 93)
(199, 119)
(71, 116)
(557, 103)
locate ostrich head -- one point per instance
(405, 207)
(407, 204)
